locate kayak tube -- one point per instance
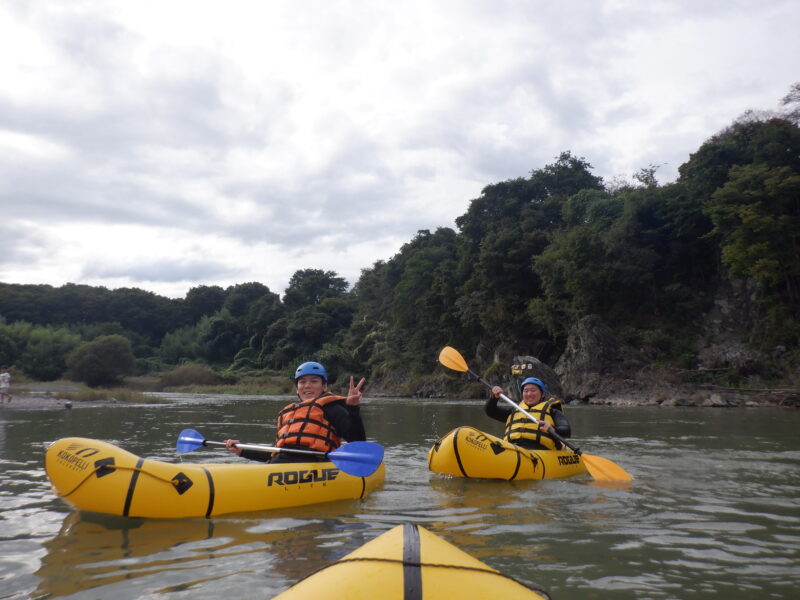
(469, 452)
(97, 476)
(408, 562)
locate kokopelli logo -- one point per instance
(478, 439)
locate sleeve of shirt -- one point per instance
(495, 411)
(256, 455)
(563, 428)
(346, 420)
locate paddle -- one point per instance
(598, 467)
(355, 458)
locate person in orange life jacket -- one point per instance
(318, 421)
(520, 430)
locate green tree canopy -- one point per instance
(45, 351)
(203, 300)
(239, 298)
(308, 287)
(756, 215)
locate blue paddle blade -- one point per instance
(188, 440)
(361, 459)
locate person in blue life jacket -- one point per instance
(317, 420)
(522, 431)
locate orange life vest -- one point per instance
(519, 427)
(304, 424)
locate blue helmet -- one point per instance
(535, 381)
(311, 368)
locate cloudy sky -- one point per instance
(168, 144)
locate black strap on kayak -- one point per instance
(412, 572)
(458, 455)
(211, 492)
(132, 486)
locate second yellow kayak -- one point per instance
(469, 452)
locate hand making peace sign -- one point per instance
(354, 395)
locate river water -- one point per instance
(713, 511)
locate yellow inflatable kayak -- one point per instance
(100, 477)
(409, 562)
(468, 452)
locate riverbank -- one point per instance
(34, 396)
(63, 396)
(701, 396)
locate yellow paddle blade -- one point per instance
(452, 359)
(604, 470)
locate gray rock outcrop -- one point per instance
(723, 341)
(595, 363)
(525, 366)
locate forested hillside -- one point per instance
(529, 258)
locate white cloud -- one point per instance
(168, 145)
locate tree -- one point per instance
(260, 315)
(567, 176)
(181, 344)
(9, 344)
(239, 298)
(72, 303)
(423, 314)
(366, 336)
(308, 287)
(142, 311)
(275, 352)
(103, 361)
(222, 337)
(20, 302)
(203, 300)
(45, 352)
(639, 258)
(646, 176)
(503, 232)
(756, 215)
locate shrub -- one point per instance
(103, 361)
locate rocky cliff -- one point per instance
(597, 368)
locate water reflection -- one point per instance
(93, 550)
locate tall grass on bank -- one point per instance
(250, 386)
(201, 379)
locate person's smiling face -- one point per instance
(310, 387)
(531, 394)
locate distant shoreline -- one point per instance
(58, 396)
